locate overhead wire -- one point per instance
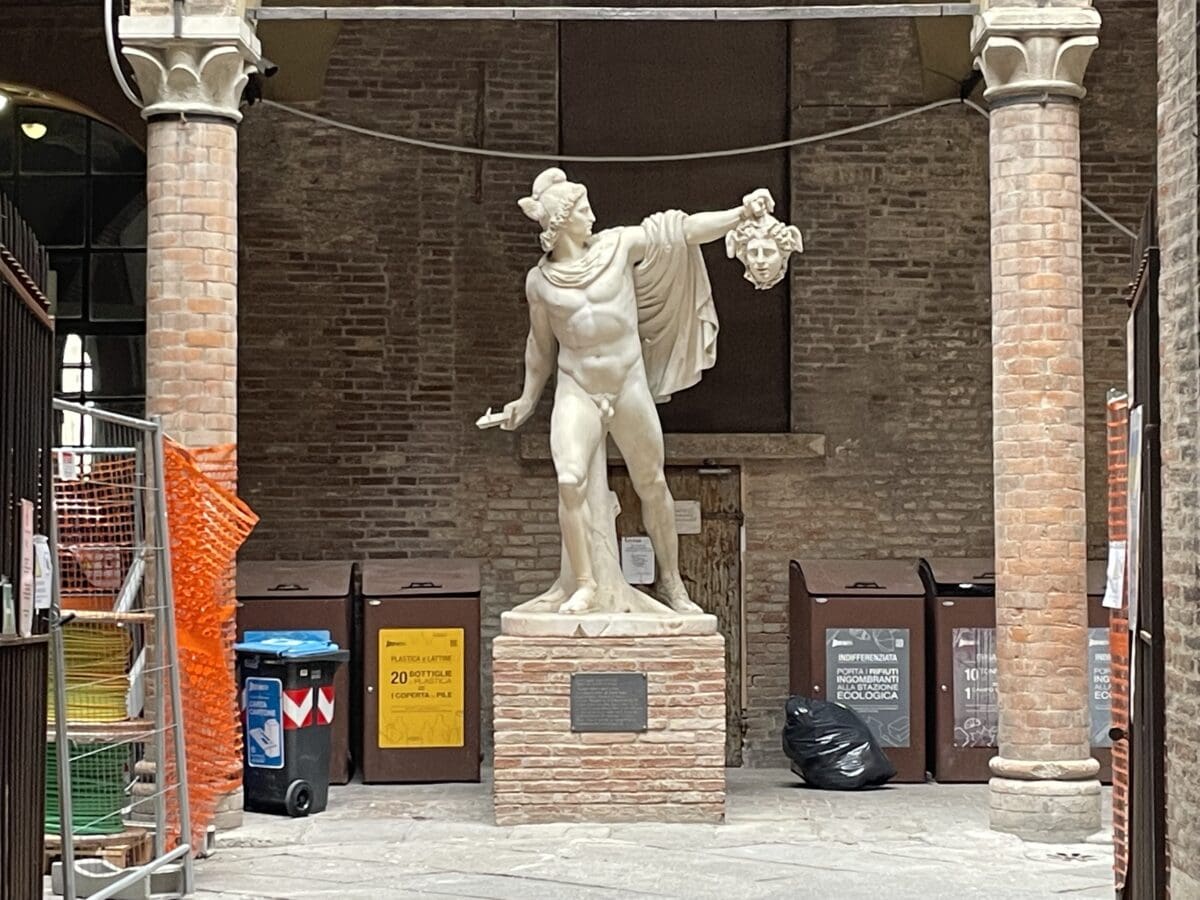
(583, 158)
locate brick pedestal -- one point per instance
(672, 772)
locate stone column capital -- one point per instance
(198, 65)
(1034, 53)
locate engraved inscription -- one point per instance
(608, 701)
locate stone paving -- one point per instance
(377, 842)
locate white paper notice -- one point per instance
(25, 591)
(1114, 589)
(687, 517)
(637, 560)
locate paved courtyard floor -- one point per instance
(378, 842)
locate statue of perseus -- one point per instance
(631, 312)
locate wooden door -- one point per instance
(710, 563)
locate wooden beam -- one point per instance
(633, 13)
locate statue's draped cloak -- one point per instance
(677, 320)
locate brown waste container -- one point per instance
(1099, 668)
(420, 653)
(290, 596)
(858, 638)
(960, 604)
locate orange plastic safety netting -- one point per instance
(208, 523)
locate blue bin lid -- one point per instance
(289, 644)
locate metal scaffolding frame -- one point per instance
(128, 569)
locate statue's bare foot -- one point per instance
(580, 601)
(675, 595)
(552, 597)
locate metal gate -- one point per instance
(26, 382)
(1147, 873)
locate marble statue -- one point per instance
(626, 316)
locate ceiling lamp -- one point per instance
(35, 131)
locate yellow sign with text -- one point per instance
(420, 687)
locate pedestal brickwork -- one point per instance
(672, 772)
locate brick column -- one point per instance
(191, 72)
(1033, 59)
(191, 75)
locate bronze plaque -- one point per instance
(608, 701)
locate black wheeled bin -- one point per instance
(309, 595)
(287, 685)
(420, 656)
(960, 597)
(858, 638)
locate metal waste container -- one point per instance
(307, 595)
(1099, 668)
(858, 638)
(960, 598)
(287, 692)
(420, 655)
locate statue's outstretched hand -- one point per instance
(757, 204)
(516, 414)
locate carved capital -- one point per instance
(198, 66)
(1034, 52)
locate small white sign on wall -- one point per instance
(687, 517)
(637, 559)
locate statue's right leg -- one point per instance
(575, 433)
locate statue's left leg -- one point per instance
(638, 434)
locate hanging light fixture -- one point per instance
(3, 101)
(35, 131)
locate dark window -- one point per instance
(80, 184)
(675, 87)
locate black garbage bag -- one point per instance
(832, 748)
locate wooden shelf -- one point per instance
(95, 732)
(115, 618)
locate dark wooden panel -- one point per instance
(710, 563)
(670, 87)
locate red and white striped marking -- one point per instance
(325, 705)
(297, 708)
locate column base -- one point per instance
(1046, 810)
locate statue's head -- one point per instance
(764, 246)
(559, 207)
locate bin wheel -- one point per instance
(299, 799)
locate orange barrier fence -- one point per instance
(208, 524)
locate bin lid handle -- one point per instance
(420, 584)
(859, 585)
(287, 587)
(991, 575)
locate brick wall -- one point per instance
(382, 311)
(1179, 343)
